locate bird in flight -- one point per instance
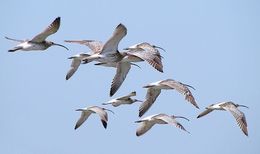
(233, 109)
(38, 42)
(154, 90)
(86, 112)
(148, 122)
(136, 53)
(123, 100)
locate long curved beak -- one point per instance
(79, 110)
(243, 106)
(189, 86)
(135, 65)
(60, 45)
(159, 48)
(181, 117)
(109, 110)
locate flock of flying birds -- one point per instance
(107, 55)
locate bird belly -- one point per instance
(158, 121)
(26, 46)
(164, 87)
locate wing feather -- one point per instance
(51, 29)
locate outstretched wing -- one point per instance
(148, 53)
(95, 46)
(102, 114)
(121, 72)
(204, 113)
(73, 67)
(170, 120)
(238, 115)
(111, 46)
(127, 96)
(51, 29)
(151, 95)
(181, 88)
(84, 116)
(144, 127)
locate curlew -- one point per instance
(154, 90)
(123, 100)
(148, 122)
(94, 46)
(38, 42)
(86, 112)
(145, 52)
(140, 52)
(233, 109)
(109, 52)
(76, 61)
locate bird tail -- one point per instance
(16, 40)
(15, 49)
(106, 103)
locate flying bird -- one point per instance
(154, 90)
(94, 46)
(136, 53)
(109, 52)
(76, 61)
(145, 52)
(86, 112)
(148, 122)
(38, 42)
(79, 59)
(123, 100)
(233, 109)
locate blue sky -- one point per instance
(211, 45)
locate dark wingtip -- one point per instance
(141, 114)
(76, 127)
(67, 77)
(112, 91)
(245, 132)
(104, 123)
(137, 134)
(58, 18)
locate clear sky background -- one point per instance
(211, 45)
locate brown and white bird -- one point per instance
(76, 61)
(137, 53)
(38, 42)
(233, 109)
(94, 46)
(79, 59)
(86, 112)
(148, 122)
(154, 90)
(123, 100)
(109, 52)
(145, 52)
